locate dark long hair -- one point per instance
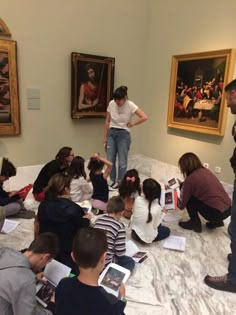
(130, 184)
(188, 163)
(152, 191)
(76, 168)
(62, 154)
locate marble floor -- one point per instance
(169, 282)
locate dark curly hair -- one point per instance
(94, 165)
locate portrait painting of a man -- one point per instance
(92, 84)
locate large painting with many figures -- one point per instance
(196, 99)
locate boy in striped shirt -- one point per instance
(116, 235)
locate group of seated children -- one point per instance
(59, 214)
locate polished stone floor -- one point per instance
(169, 282)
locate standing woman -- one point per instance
(117, 131)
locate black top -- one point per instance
(100, 187)
(5, 199)
(64, 218)
(50, 169)
(76, 298)
(233, 158)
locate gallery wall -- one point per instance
(46, 33)
(179, 27)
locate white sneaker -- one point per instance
(114, 186)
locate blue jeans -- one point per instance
(118, 143)
(163, 232)
(232, 233)
(126, 262)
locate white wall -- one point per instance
(46, 33)
(179, 27)
(142, 35)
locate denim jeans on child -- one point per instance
(118, 143)
(232, 233)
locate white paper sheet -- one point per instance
(175, 243)
(9, 225)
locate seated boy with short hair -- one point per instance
(82, 294)
(17, 274)
(116, 234)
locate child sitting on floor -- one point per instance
(11, 202)
(80, 189)
(148, 214)
(130, 189)
(73, 294)
(99, 181)
(116, 234)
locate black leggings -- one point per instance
(196, 206)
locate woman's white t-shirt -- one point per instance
(80, 189)
(146, 231)
(120, 116)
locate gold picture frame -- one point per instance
(9, 99)
(4, 30)
(196, 97)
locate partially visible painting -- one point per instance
(92, 84)
(9, 102)
(196, 100)
(4, 30)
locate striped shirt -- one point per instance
(116, 235)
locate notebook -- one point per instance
(53, 273)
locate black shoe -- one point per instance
(191, 225)
(214, 224)
(220, 283)
(229, 257)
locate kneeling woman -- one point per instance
(201, 193)
(58, 214)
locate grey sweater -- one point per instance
(17, 285)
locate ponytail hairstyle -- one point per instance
(94, 166)
(152, 191)
(76, 168)
(130, 184)
(120, 93)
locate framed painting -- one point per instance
(9, 100)
(196, 97)
(92, 84)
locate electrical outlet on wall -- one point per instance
(218, 169)
(206, 165)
